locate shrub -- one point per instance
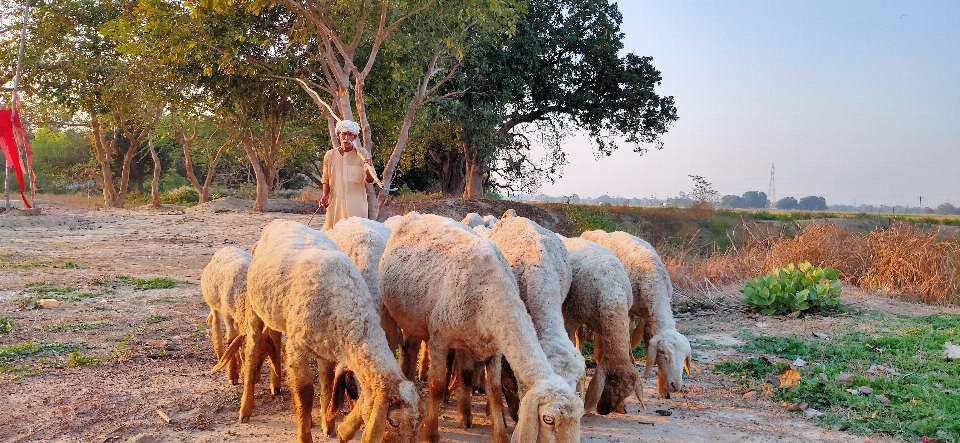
(794, 288)
(183, 196)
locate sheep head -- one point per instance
(619, 382)
(395, 417)
(671, 354)
(549, 413)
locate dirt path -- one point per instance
(150, 349)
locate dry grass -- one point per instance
(914, 261)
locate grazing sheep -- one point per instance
(444, 284)
(223, 284)
(473, 220)
(540, 264)
(600, 298)
(302, 285)
(489, 220)
(363, 240)
(652, 289)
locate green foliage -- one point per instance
(585, 218)
(62, 293)
(751, 368)
(73, 327)
(6, 325)
(156, 318)
(794, 288)
(77, 358)
(69, 264)
(183, 196)
(921, 388)
(144, 284)
(28, 348)
(586, 348)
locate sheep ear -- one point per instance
(651, 350)
(528, 425)
(229, 353)
(375, 425)
(688, 363)
(594, 390)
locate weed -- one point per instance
(919, 385)
(586, 348)
(28, 348)
(794, 289)
(585, 218)
(123, 352)
(753, 368)
(73, 327)
(6, 325)
(69, 264)
(44, 289)
(156, 318)
(78, 359)
(144, 284)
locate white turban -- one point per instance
(348, 126)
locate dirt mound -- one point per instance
(233, 204)
(457, 209)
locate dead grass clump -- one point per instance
(901, 258)
(915, 261)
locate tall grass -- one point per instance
(915, 261)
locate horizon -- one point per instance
(857, 102)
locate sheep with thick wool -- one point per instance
(650, 283)
(540, 264)
(301, 284)
(600, 298)
(223, 284)
(446, 285)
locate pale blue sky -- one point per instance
(855, 101)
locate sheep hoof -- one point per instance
(234, 382)
(276, 391)
(244, 419)
(668, 396)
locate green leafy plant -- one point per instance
(144, 284)
(585, 218)
(6, 325)
(156, 318)
(794, 288)
(77, 358)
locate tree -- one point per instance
(946, 209)
(558, 74)
(812, 203)
(755, 199)
(703, 195)
(732, 201)
(787, 203)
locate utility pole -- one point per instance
(772, 190)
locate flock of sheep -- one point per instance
(503, 304)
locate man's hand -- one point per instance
(325, 201)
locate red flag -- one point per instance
(8, 145)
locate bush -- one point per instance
(183, 196)
(794, 288)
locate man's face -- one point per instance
(348, 137)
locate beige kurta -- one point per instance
(347, 180)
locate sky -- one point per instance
(856, 101)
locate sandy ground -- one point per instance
(152, 349)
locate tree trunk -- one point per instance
(476, 168)
(155, 187)
(263, 181)
(104, 151)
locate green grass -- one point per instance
(144, 284)
(73, 327)
(42, 289)
(29, 348)
(587, 218)
(69, 264)
(77, 358)
(156, 318)
(6, 325)
(924, 398)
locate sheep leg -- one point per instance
(352, 422)
(511, 390)
(423, 361)
(273, 339)
(233, 366)
(437, 383)
(594, 389)
(408, 357)
(463, 364)
(636, 336)
(493, 368)
(326, 370)
(300, 381)
(251, 364)
(216, 335)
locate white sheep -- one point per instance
(489, 220)
(600, 298)
(300, 283)
(363, 240)
(223, 284)
(444, 284)
(540, 264)
(473, 219)
(652, 290)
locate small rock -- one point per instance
(865, 390)
(794, 315)
(822, 376)
(664, 412)
(843, 378)
(883, 399)
(811, 413)
(821, 336)
(49, 303)
(762, 325)
(798, 363)
(750, 396)
(797, 406)
(951, 351)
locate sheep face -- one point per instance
(672, 355)
(619, 383)
(403, 416)
(549, 413)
